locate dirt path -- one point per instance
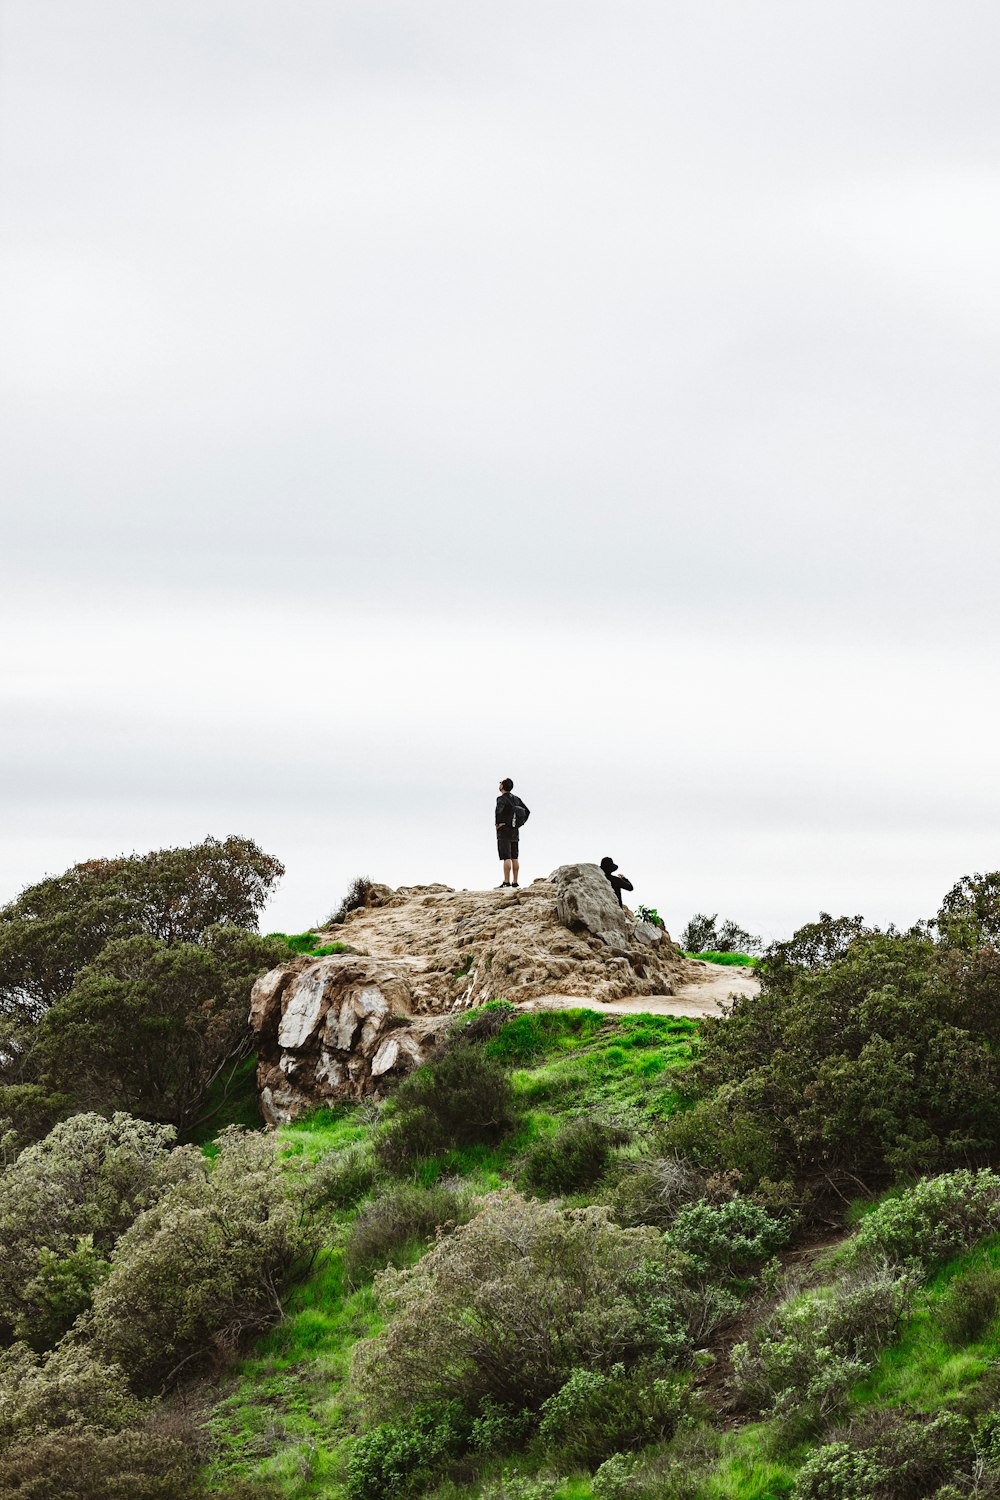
(704, 995)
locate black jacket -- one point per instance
(505, 810)
(619, 883)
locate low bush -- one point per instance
(836, 1471)
(936, 1218)
(396, 1221)
(69, 1390)
(482, 1024)
(205, 1266)
(803, 1358)
(341, 1178)
(899, 1455)
(65, 1202)
(357, 896)
(969, 1306)
(399, 1457)
(100, 1466)
(653, 1190)
(596, 1413)
(510, 1303)
(459, 1098)
(573, 1157)
(721, 1239)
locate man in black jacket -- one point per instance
(619, 883)
(506, 823)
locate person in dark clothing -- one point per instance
(508, 818)
(619, 883)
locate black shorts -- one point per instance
(507, 843)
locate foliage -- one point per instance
(204, 1266)
(884, 1059)
(571, 1158)
(357, 895)
(728, 960)
(28, 1112)
(307, 942)
(507, 1305)
(149, 1025)
(935, 1218)
(720, 1239)
(652, 1189)
(57, 927)
(100, 1466)
(68, 1390)
(836, 1471)
(397, 1457)
(63, 1205)
(595, 1413)
(805, 1356)
(393, 1222)
(970, 1305)
(482, 1024)
(649, 914)
(461, 1097)
(969, 915)
(705, 932)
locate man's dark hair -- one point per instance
(507, 784)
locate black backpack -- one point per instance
(521, 813)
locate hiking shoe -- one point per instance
(514, 886)
(504, 885)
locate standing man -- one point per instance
(511, 813)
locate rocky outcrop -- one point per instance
(335, 1028)
(344, 1026)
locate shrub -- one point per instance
(595, 1413)
(935, 1219)
(394, 1222)
(341, 1178)
(572, 1158)
(838, 1472)
(63, 1205)
(499, 1429)
(702, 934)
(653, 1189)
(726, 1237)
(397, 1457)
(149, 1024)
(54, 929)
(204, 1266)
(970, 1305)
(804, 1357)
(884, 1058)
(459, 1098)
(483, 1024)
(358, 894)
(100, 1466)
(510, 1303)
(70, 1390)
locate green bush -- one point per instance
(572, 1158)
(358, 895)
(499, 1429)
(935, 1219)
(969, 1306)
(394, 1222)
(341, 1178)
(720, 1239)
(882, 1058)
(204, 1266)
(803, 1358)
(510, 1303)
(483, 1024)
(399, 1457)
(63, 1205)
(100, 1466)
(461, 1097)
(70, 1390)
(596, 1413)
(839, 1472)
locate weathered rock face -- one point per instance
(334, 1028)
(341, 1027)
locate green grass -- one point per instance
(306, 942)
(743, 960)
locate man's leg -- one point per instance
(506, 871)
(514, 867)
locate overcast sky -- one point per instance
(400, 396)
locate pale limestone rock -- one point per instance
(586, 902)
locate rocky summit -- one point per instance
(341, 1027)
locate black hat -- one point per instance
(608, 864)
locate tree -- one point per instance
(149, 1024)
(57, 927)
